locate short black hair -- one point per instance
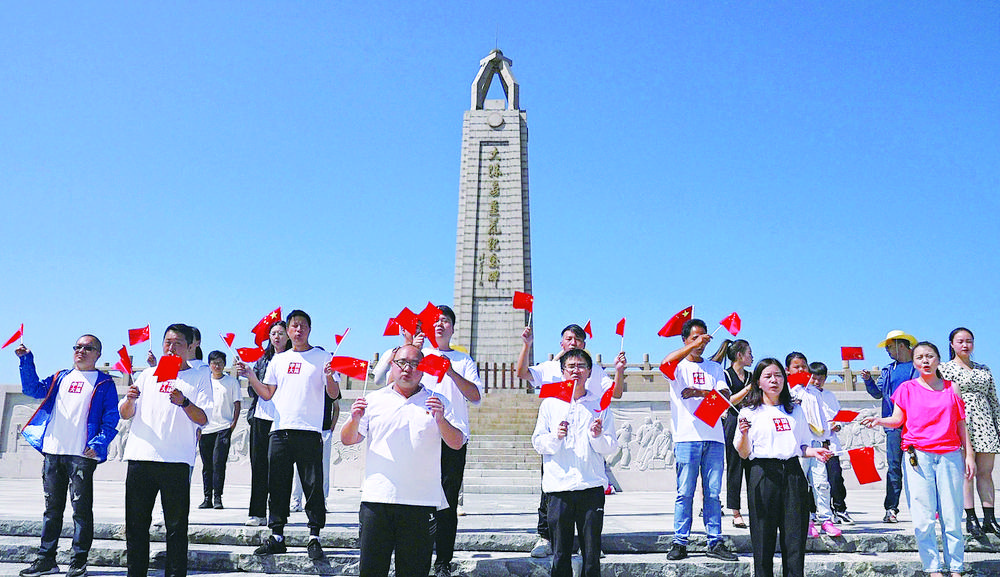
(794, 355)
(577, 331)
(446, 311)
(300, 314)
(818, 369)
(690, 324)
(576, 354)
(181, 329)
(100, 347)
(214, 355)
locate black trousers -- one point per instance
(838, 492)
(59, 474)
(406, 529)
(142, 483)
(452, 472)
(214, 449)
(583, 511)
(543, 514)
(260, 430)
(777, 500)
(735, 465)
(304, 450)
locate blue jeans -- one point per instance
(75, 473)
(708, 458)
(934, 486)
(894, 468)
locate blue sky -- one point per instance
(829, 171)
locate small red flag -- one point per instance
(136, 336)
(669, 369)
(428, 317)
(435, 365)
(863, 463)
(588, 330)
(408, 320)
(263, 327)
(125, 364)
(732, 324)
(852, 354)
(14, 337)
(606, 399)
(167, 368)
(676, 323)
(620, 328)
(341, 337)
(562, 390)
(844, 416)
(250, 354)
(350, 366)
(523, 301)
(391, 329)
(797, 379)
(228, 338)
(711, 408)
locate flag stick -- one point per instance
(529, 317)
(365, 390)
(716, 330)
(621, 349)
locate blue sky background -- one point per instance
(829, 171)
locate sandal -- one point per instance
(739, 523)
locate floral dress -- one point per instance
(982, 410)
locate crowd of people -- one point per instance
(779, 439)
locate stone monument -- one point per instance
(493, 249)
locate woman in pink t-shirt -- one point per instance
(940, 457)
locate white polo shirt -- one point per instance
(465, 366)
(161, 431)
(774, 434)
(300, 396)
(706, 375)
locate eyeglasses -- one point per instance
(87, 348)
(403, 364)
(913, 455)
(575, 367)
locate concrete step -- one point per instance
(520, 488)
(523, 443)
(535, 465)
(502, 473)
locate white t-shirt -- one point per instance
(810, 408)
(197, 364)
(829, 406)
(225, 393)
(300, 396)
(161, 431)
(706, 375)
(576, 461)
(403, 457)
(66, 433)
(549, 372)
(774, 434)
(465, 366)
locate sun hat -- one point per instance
(897, 335)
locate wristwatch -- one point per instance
(186, 403)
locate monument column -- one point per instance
(493, 249)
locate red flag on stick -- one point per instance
(852, 354)
(863, 463)
(354, 368)
(341, 337)
(263, 327)
(844, 416)
(588, 330)
(711, 408)
(428, 317)
(391, 329)
(125, 364)
(798, 379)
(732, 324)
(136, 336)
(523, 301)
(435, 365)
(17, 334)
(408, 320)
(167, 368)
(669, 369)
(676, 323)
(228, 338)
(250, 354)
(562, 390)
(620, 328)
(606, 399)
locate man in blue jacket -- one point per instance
(72, 428)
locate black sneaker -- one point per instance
(270, 547)
(40, 567)
(721, 552)
(218, 502)
(206, 504)
(677, 552)
(77, 568)
(314, 549)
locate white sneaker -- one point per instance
(542, 548)
(255, 522)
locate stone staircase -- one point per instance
(500, 458)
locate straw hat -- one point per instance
(898, 335)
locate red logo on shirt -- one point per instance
(294, 368)
(781, 424)
(698, 378)
(75, 387)
(166, 387)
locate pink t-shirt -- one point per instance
(931, 417)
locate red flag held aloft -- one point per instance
(863, 463)
(228, 338)
(428, 317)
(125, 364)
(391, 329)
(588, 330)
(136, 336)
(797, 379)
(435, 365)
(17, 334)
(676, 323)
(523, 301)
(562, 390)
(711, 408)
(732, 324)
(350, 366)
(167, 368)
(844, 416)
(261, 331)
(852, 354)
(250, 354)
(669, 369)
(620, 328)
(408, 321)
(606, 399)
(341, 337)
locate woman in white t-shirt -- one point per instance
(773, 434)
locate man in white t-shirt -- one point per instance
(296, 382)
(160, 449)
(72, 429)
(698, 448)
(217, 434)
(572, 337)
(405, 424)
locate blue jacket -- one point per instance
(888, 381)
(102, 420)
